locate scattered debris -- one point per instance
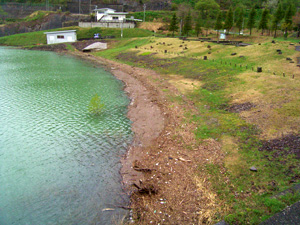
(288, 145)
(184, 160)
(108, 209)
(237, 108)
(253, 168)
(146, 188)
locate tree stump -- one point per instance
(205, 57)
(259, 69)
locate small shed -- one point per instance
(55, 37)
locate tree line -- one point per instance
(207, 14)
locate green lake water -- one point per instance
(58, 163)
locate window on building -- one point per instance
(60, 36)
(115, 18)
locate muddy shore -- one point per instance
(160, 166)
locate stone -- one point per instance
(253, 168)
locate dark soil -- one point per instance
(148, 60)
(287, 145)
(237, 108)
(55, 48)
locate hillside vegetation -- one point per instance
(248, 119)
(253, 116)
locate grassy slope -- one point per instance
(246, 196)
(39, 37)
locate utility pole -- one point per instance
(47, 5)
(180, 27)
(144, 12)
(90, 7)
(122, 29)
(79, 3)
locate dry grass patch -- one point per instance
(184, 85)
(276, 99)
(232, 160)
(152, 26)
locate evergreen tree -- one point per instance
(263, 24)
(218, 25)
(229, 20)
(173, 25)
(240, 20)
(251, 21)
(236, 14)
(198, 27)
(187, 24)
(288, 20)
(296, 20)
(277, 18)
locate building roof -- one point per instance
(60, 31)
(118, 13)
(105, 9)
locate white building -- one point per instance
(109, 15)
(61, 36)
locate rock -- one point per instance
(278, 50)
(253, 169)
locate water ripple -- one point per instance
(58, 163)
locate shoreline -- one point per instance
(144, 110)
(159, 167)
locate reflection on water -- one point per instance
(58, 163)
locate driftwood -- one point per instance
(146, 188)
(146, 170)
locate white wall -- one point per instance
(61, 38)
(107, 24)
(106, 17)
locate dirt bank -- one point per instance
(160, 169)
